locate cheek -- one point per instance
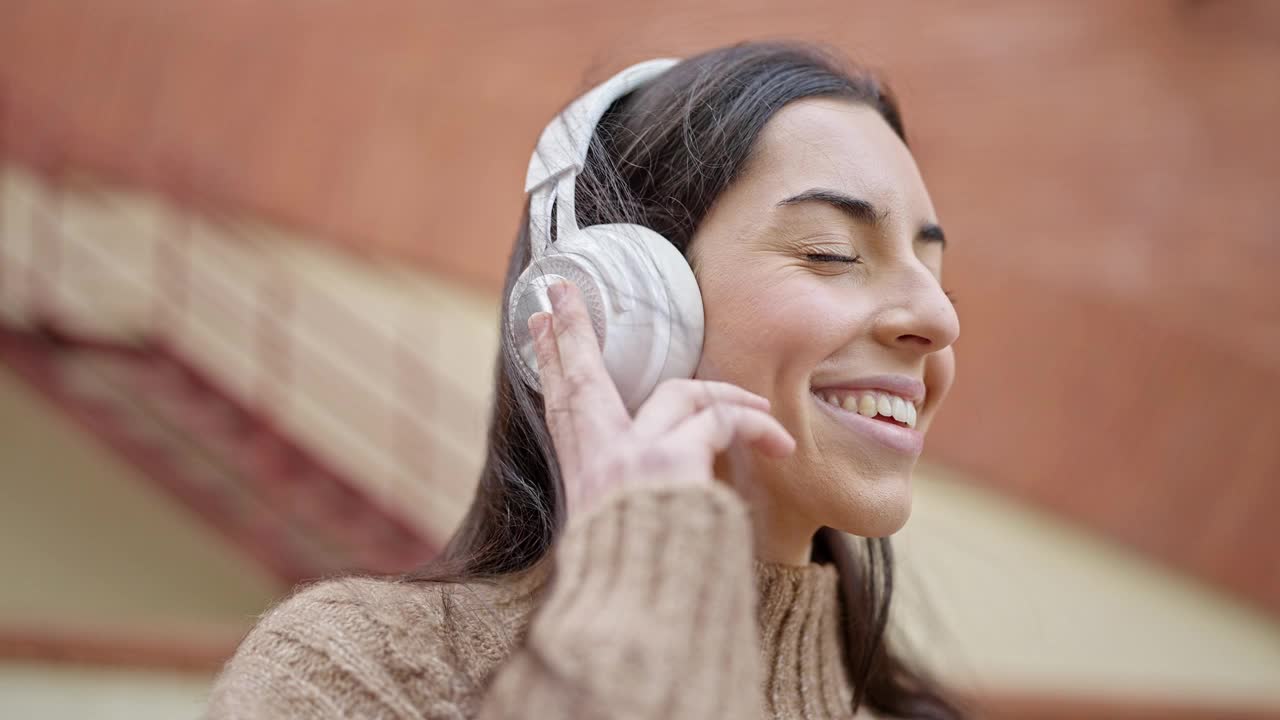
(766, 335)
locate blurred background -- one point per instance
(250, 258)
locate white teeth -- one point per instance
(872, 404)
(900, 410)
(884, 406)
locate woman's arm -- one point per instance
(651, 614)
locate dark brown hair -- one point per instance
(660, 158)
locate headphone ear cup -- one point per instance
(656, 333)
(529, 295)
(643, 300)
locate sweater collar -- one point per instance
(801, 636)
(802, 641)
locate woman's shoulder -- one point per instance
(388, 614)
(336, 597)
(337, 601)
(353, 611)
(361, 605)
(367, 639)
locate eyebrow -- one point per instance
(862, 211)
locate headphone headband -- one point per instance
(564, 142)
(562, 148)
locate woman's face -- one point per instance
(834, 343)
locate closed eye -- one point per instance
(828, 257)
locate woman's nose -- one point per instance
(919, 317)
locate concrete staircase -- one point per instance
(295, 399)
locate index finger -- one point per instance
(588, 393)
(549, 374)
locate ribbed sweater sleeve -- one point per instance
(651, 614)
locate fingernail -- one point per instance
(538, 324)
(556, 291)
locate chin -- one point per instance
(876, 506)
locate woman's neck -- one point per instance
(780, 543)
(781, 537)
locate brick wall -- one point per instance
(1107, 172)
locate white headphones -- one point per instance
(644, 301)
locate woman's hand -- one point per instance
(675, 435)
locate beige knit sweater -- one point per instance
(655, 609)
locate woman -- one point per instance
(688, 560)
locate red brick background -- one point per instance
(1109, 175)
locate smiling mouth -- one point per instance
(872, 404)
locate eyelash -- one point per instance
(855, 260)
(827, 257)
